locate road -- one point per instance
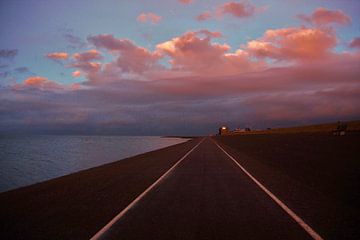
(206, 196)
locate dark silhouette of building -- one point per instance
(224, 130)
(340, 129)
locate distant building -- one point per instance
(238, 130)
(224, 130)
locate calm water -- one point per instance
(25, 160)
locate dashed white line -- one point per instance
(291, 213)
(103, 230)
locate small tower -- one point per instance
(224, 130)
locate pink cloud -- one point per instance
(85, 61)
(190, 53)
(294, 43)
(76, 74)
(296, 78)
(45, 84)
(237, 9)
(195, 52)
(204, 16)
(321, 90)
(41, 83)
(142, 17)
(75, 86)
(58, 55)
(355, 43)
(131, 58)
(148, 17)
(186, 1)
(87, 56)
(337, 102)
(323, 16)
(87, 67)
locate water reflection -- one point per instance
(25, 160)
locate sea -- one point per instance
(25, 160)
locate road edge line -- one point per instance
(291, 213)
(104, 229)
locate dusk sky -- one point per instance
(163, 67)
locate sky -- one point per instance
(176, 67)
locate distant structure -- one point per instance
(224, 130)
(240, 130)
(340, 129)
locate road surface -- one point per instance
(206, 196)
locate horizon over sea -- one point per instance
(29, 159)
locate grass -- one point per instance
(352, 126)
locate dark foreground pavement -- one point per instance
(76, 206)
(316, 174)
(206, 197)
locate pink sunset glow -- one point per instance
(148, 17)
(204, 16)
(186, 1)
(237, 9)
(355, 43)
(323, 16)
(232, 57)
(58, 55)
(76, 74)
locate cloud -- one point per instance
(332, 104)
(355, 43)
(87, 67)
(294, 43)
(288, 76)
(5, 74)
(130, 58)
(148, 17)
(237, 9)
(58, 55)
(74, 41)
(40, 83)
(86, 56)
(195, 52)
(76, 74)
(21, 70)
(287, 95)
(87, 62)
(10, 76)
(44, 84)
(185, 1)
(204, 16)
(8, 53)
(323, 16)
(301, 77)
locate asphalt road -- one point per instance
(206, 196)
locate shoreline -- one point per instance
(77, 205)
(31, 159)
(94, 167)
(182, 137)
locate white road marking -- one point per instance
(291, 213)
(99, 234)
